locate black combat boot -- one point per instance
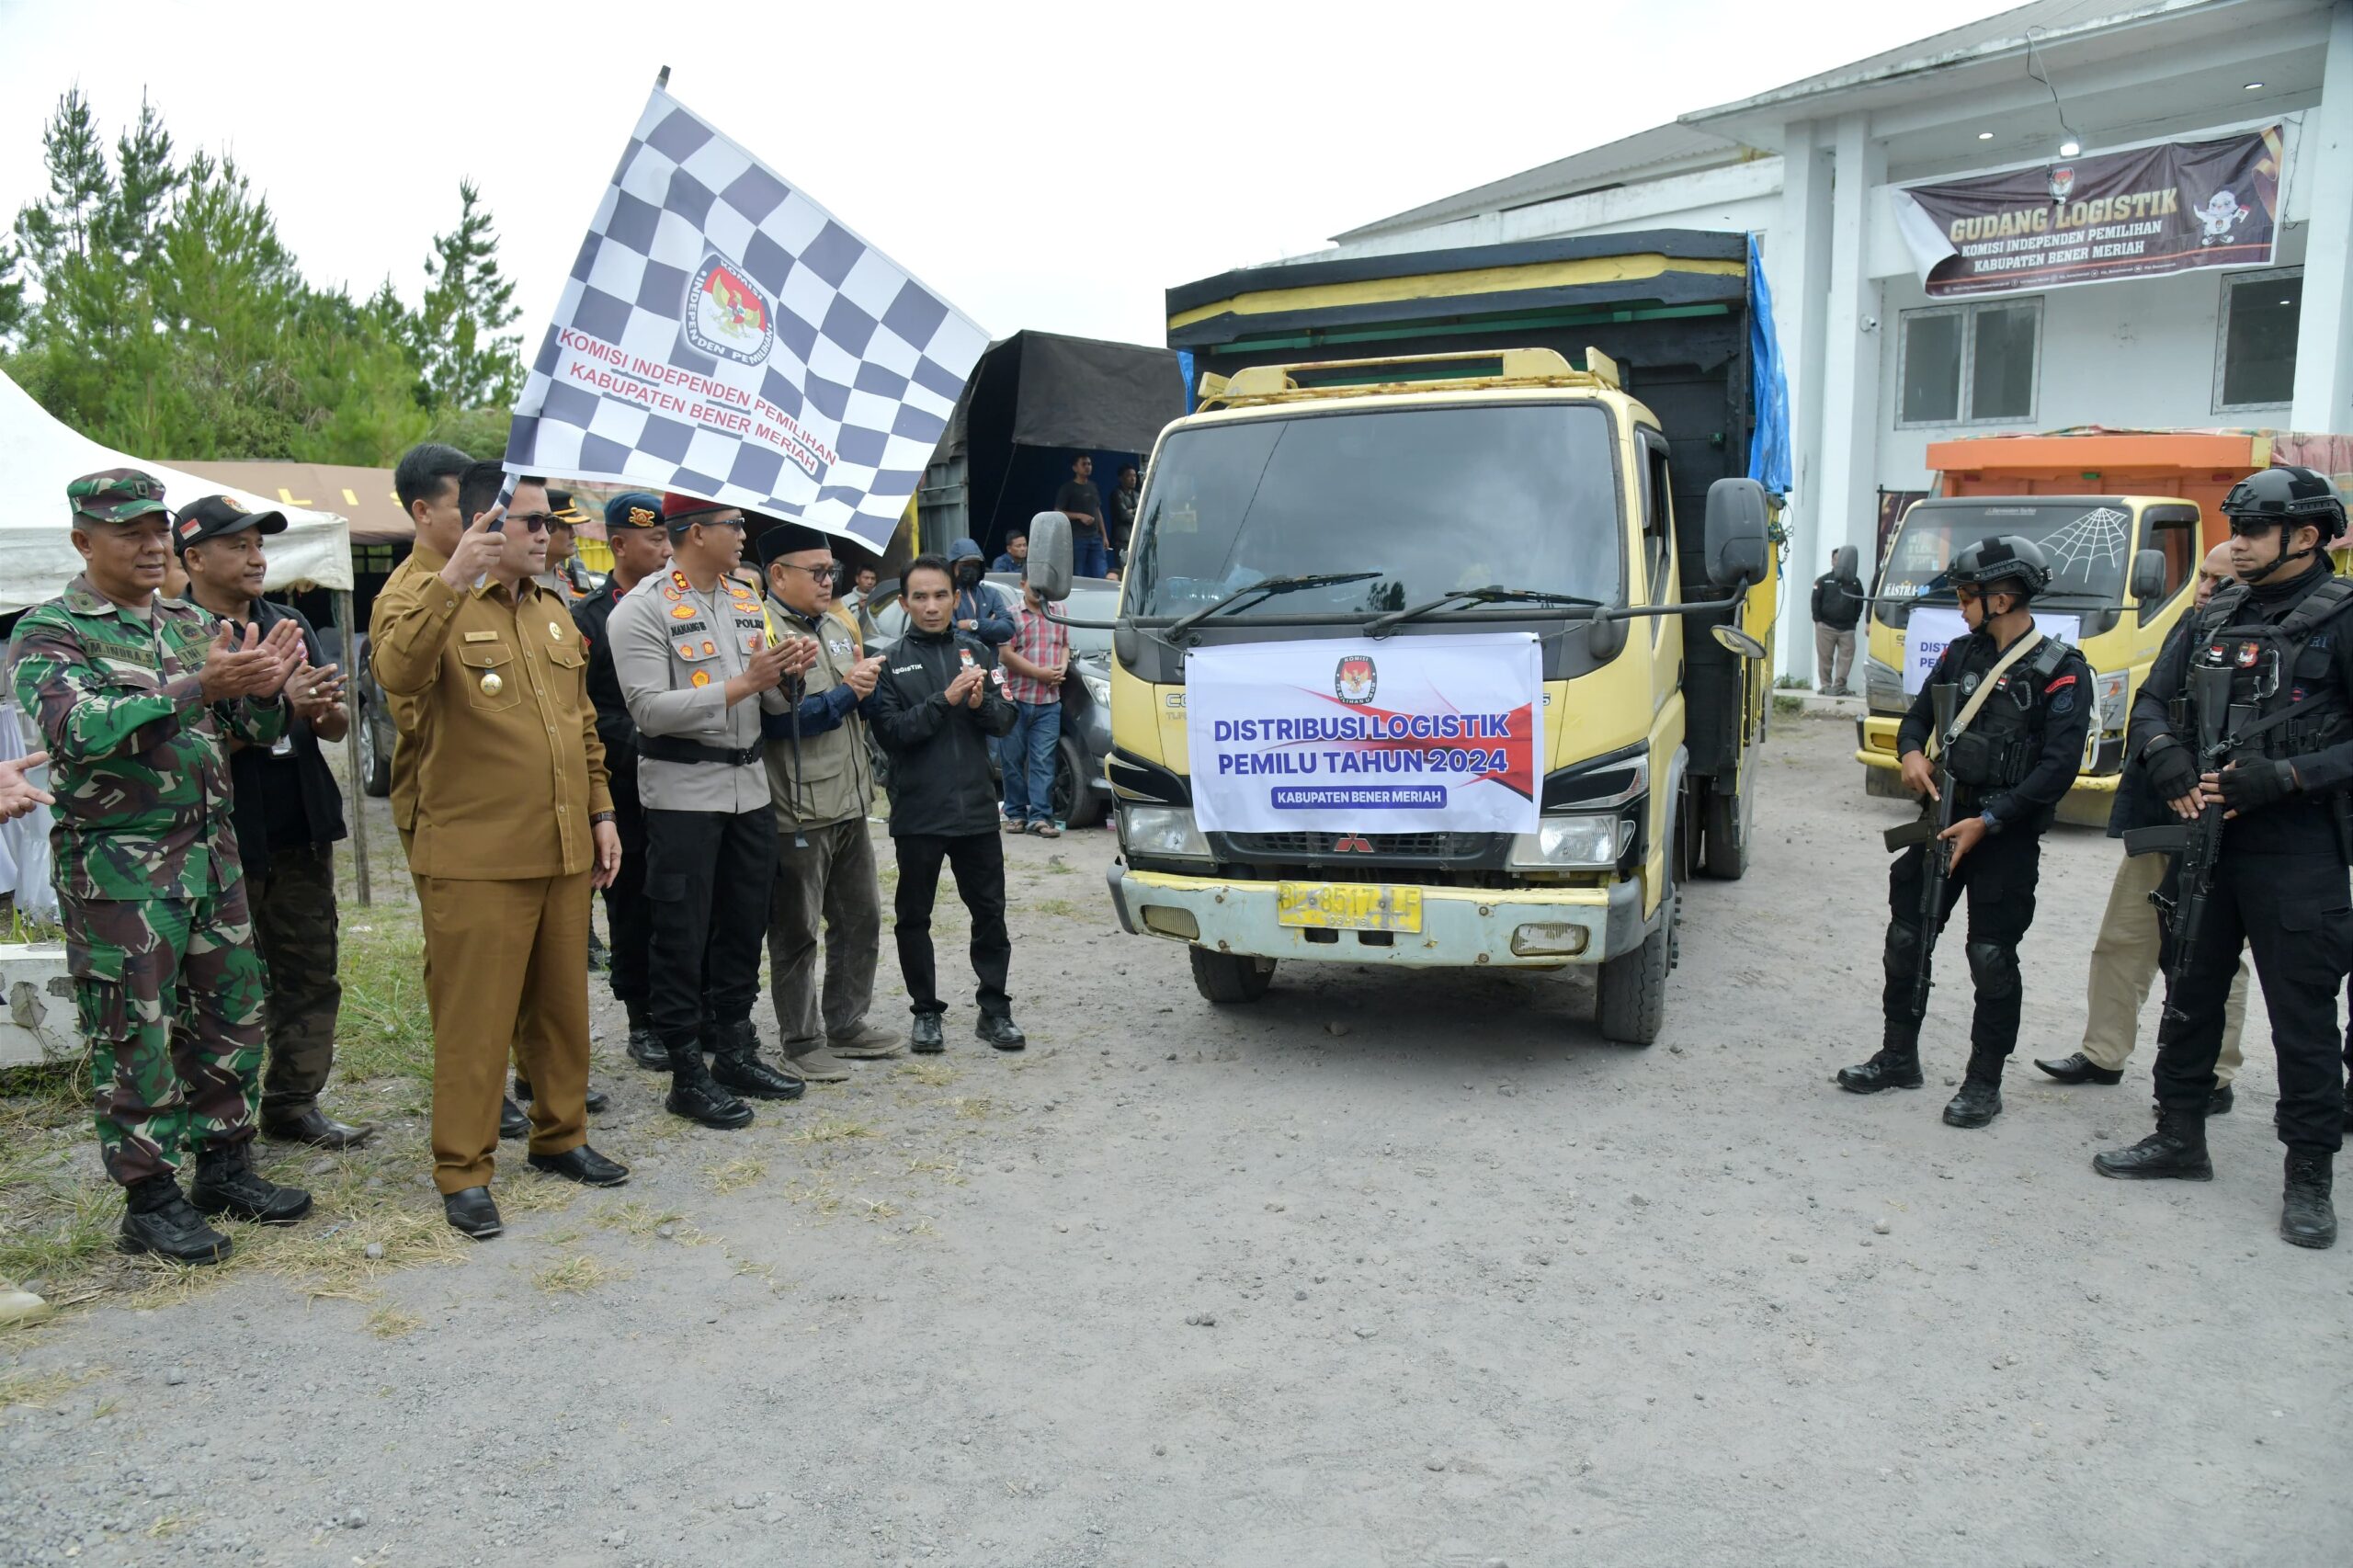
(696, 1096)
(999, 1030)
(157, 1218)
(644, 1045)
(1980, 1100)
(735, 1061)
(226, 1183)
(2176, 1149)
(2306, 1217)
(1897, 1066)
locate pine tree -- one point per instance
(466, 363)
(58, 227)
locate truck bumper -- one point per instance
(1510, 928)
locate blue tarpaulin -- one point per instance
(1768, 445)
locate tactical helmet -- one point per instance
(2009, 565)
(2291, 496)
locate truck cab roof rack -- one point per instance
(1478, 371)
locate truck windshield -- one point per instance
(1426, 500)
(2088, 544)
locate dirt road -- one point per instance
(1385, 1269)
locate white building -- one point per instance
(1877, 369)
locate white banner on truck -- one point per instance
(1412, 734)
(1933, 628)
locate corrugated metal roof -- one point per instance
(1669, 143)
(2048, 20)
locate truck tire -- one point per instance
(1631, 1004)
(1723, 836)
(1076, 805)
(1230, 977)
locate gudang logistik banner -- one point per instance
(1412, 734)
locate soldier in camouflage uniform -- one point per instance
(134, 695)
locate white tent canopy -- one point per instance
(41, 456)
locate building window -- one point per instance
(2254, 353)
(1968, 364)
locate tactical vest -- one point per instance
(2283, 672)
(2002, 743)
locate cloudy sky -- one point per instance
(1043, 165)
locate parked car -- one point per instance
(1081, 792)
(375, 717)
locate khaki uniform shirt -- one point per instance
(498, 766)
(675, 649)
(835, 780)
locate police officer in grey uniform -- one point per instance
(699, 663)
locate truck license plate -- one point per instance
(1348, 907)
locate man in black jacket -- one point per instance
(1837, 608)
(640, 547)
(936, 708)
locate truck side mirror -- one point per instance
(2149, 575)
(1048, 568)
(1738, 546)
(1843, 562)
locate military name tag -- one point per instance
(481, 636)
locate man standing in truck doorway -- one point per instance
(1083, 503)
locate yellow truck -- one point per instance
(1521, 515)
(2124, 571)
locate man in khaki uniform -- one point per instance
(499, 793)
(823, 782)
(2126, 954)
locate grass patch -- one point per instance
(971, 1108)
(735, 1174)
(577, 1274)
(39, 1389)
(833, 1130)
(931, 1074)
(390, 1322)
(1788, 707)
(384, 1029)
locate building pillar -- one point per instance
(2323, 395)
(1797, 261)
(1845, 499)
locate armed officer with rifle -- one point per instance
(1992, 743)
(2246, 726)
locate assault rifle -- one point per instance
(1929, 831)
(2200, 843)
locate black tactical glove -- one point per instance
(2251, 786)
(2173, 773)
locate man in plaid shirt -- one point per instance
(1034, 664)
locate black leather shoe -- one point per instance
(512, 1122)
(226, 1183)
(925, 1038)
(701, 1099)
(1887, 1070)
(745, 1072)
(316, 1128)
(2176, 1151)
(999, 1030)
(157, 1218)
(2306, 1217)
(2220, 1102)
(584, 1166)
(1978, 1103)
(595, 1101)
(472, 1213)
(2080, 1069)
(645, 1048)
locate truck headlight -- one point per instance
(1883, 687)
(2113, 695)
(1167, 831)
(1098, 686)
(1572, 844)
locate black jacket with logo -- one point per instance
(614, 726)
(941, 782)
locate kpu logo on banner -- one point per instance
(1356, 680)
(727, 314)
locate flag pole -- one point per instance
(662, 78)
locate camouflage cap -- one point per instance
(115, 495)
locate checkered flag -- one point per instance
(723, 335)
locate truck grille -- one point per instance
(1320, 845)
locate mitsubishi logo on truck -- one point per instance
(1352, 843)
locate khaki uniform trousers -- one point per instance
(2124, 968)
(505, 967)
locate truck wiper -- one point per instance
(1265, 588)
(1492, 594)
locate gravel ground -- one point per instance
(1384, 1270)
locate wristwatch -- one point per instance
(596, 817)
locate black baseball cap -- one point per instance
(212, 516)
